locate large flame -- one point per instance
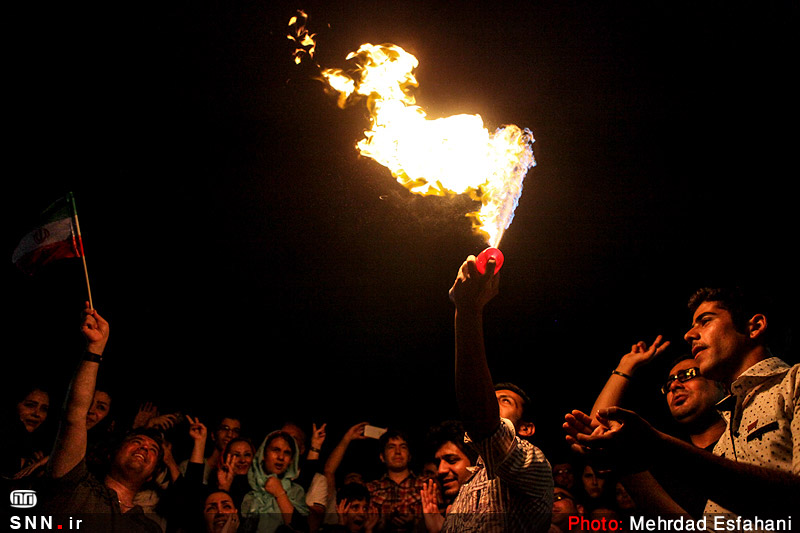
(443, 156)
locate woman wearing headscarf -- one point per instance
(276, 502)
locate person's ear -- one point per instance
(757, 326)
(526, 429)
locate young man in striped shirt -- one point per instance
(511, 488)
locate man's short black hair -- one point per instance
(150, 433)
(526, 401)
(449, 431)
(742, 303)
(352, 492)
(391, 433)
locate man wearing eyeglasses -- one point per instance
(691, 397)
(692, 400)
(755, 467)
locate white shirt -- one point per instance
(763, 419)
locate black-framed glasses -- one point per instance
(682, 376)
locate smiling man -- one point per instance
(453, 458)
(70, 489)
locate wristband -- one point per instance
(89, 356)
(623, 374)
(315, 449)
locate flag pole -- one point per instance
(80, 246)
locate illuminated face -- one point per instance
(453, 470)
(101, 405)
(429, 470)
(137, 456)
(564, 506)
(592, 483)
(242, 454)
(353, 477)
(218, 512)
(228, 429)
(563, 502)
(277, 456)
(511, 405)
(563, 475)
(624, 500)
(396, 455)
(356, 515)
(32, 410)
(716, 345)
(692, 399)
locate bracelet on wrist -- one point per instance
(313, 449)
(89, 356)
(623, 374)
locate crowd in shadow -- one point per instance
(737, 455)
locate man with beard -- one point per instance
(70, 489)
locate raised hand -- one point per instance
(342, 508)
(197, 431)
(471, 289)
(317, 436)
(641, 354)
(434, 520)
(356, 432)
(146, 412)
(618, 439)
(95, 330)
(429, 495)
(225, 472)
(163, 422)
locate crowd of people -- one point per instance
(738, 454)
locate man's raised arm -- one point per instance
(70, 444)
(474, 386)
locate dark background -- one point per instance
(247, 257)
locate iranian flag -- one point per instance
(55, 237)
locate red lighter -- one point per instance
(484, 256)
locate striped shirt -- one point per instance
(510, 490)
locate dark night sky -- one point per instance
(245, 253)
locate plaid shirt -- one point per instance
(397, 498)
(511, 489)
